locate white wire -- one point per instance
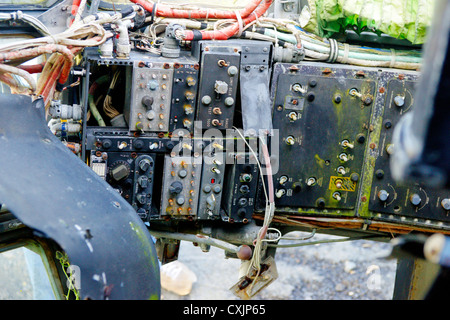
(255, 262)
(257, 162)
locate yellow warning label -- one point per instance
(342, 183)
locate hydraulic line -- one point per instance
(7, 57)
(167, 11)
(227, 32)
(4, 68)
(355, 55)
(34, 68)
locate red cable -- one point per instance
(75, 6)
(163, 10)
(74, 10)
(35, 68)
(53, 77)
(231, 30)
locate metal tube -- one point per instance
(201, 239)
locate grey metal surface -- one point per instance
(255, 88)
(51, 191)
(180, 187)
(58, 17)
(211, 187)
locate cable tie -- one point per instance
(207, 15)
(240, 23)
(153, 12)
(392, 64)
(330, 55)
(346, 51)
(334, 51)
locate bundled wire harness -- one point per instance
(252, 23)
(199, 23)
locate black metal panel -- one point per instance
(109, 139)
(51, 191)
(317, 112)
(241, 181)
(411, 198)
(219, 75)
(184, 97)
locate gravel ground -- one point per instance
(355, 270)
(14, 278)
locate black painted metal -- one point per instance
(51, 191)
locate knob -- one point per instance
(176, 187)
(320, 203)
(187, 123)
(383, 195)
(151, 115)
(220, 87)
(188, 109)
(180, 200)
(106, 143)
(232, 71)
(147, 101)
(229, 101)
(207, 188)
(152, 85)
(120, 171)
(241, 212)
(182, 173)
(399, 101)
(206, 100)
(217, 189)
(138, 144)
(415, 199)
(144, 164)
(445, 203)
(189, 95)
(190, 81)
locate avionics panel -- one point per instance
(219, 77)
(130, 174)
(240, 187)
(323, 118)
(149, 108)
(335, 125)
(184, 97)
(180, 187)
(392, 200)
